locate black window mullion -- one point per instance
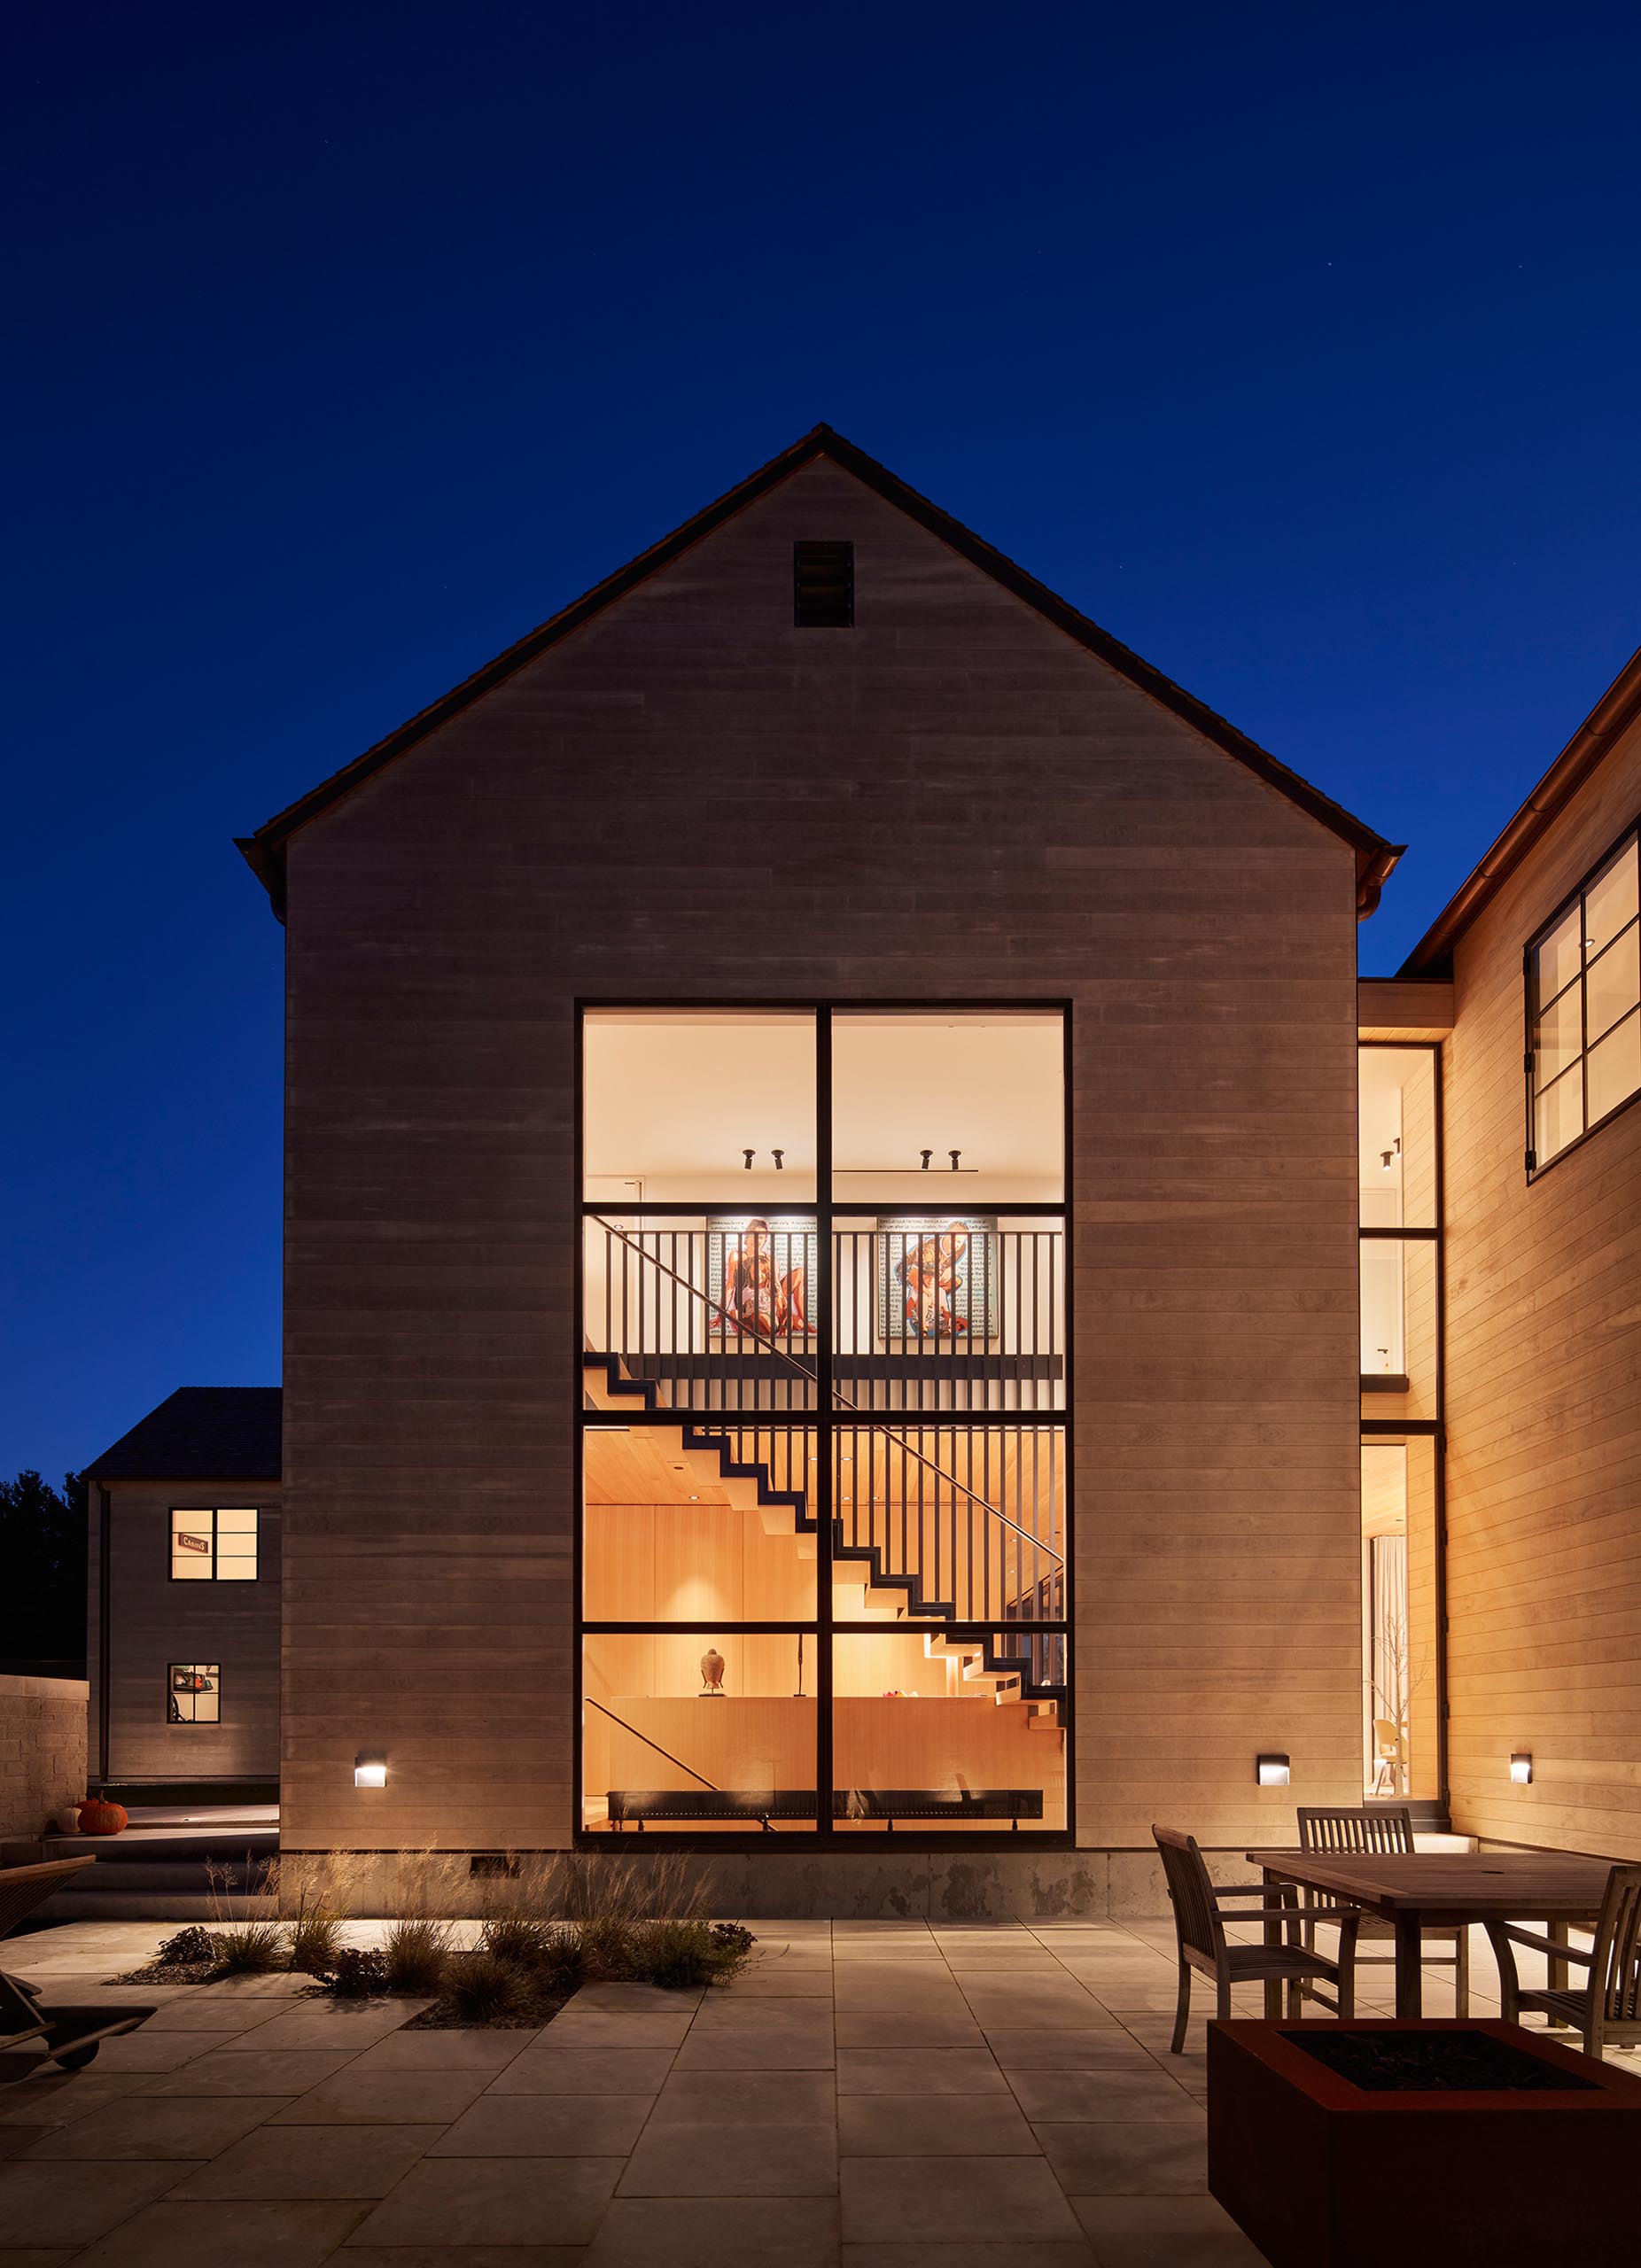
(950, 1416)
(1583, 1013)
(1536, 1008)
(824, 1411)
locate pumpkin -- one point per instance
(98, 1816)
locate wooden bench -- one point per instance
(758, 1806)
(890, 1804)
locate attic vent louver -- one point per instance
(823, 585)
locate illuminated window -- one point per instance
(1399, 1225)
(825, 1502)
(194, 1693)
(1584, 1002)
(214, 1546)
(1401, 1655)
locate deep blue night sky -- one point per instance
(1299, 346)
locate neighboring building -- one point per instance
(182, 1548)
(841, 1277)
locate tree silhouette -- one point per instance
(42, 1597)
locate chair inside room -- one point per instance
(1386, 1832)
(1200, 1921)
(1605, 2007)
(1389, 1757)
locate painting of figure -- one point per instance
(935, 1277)
(930, 1272)
(760, 1285)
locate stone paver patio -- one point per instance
(879, 2094)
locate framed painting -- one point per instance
(936, 1277)
(760, 1270)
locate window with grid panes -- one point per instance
(1583, 983)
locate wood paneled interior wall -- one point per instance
(155, 1622)
(1543, 1400)
(905, 1739)
(704, 1563)
(953, 801)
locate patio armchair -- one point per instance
(1386, 1832)
(1607, 2007)
(1200, 1923)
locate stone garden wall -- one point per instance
(42, 1736)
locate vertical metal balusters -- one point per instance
(1020, 1333)
(905, 1497)
(1052, 1395)
(968, 1528)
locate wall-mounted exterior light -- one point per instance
(1522, 1766)
(370, 1771)
(1271, 1771)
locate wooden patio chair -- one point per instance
(1606, 2008)
(1201, 1925)
(1387, 1833)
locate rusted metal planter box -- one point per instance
(1438, 2139)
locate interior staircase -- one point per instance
(873, 1583)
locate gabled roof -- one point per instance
(1612, 717)
(200, 1432)
(265, 850)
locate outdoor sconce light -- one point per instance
(925, 1155)
(780, 1158)
(1390, 1155)
(1271, 1771)
(1521, 1767)
(370, 1771)
(748, 1156)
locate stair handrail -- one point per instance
(655, 1261)
(762, 1816)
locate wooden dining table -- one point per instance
(1422, 1890)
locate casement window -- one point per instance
(194, 1693)
(213, 1546)
(1583, 1009)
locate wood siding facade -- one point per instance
(1543, 1397)
(153, 1621)
(953, 801)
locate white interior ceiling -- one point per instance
(676, 1098)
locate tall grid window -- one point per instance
(824, 1463)
(214, 1546)
(1583, 1006)
(1400, 1200)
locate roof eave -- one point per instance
(265, 850)
(1612, 715)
